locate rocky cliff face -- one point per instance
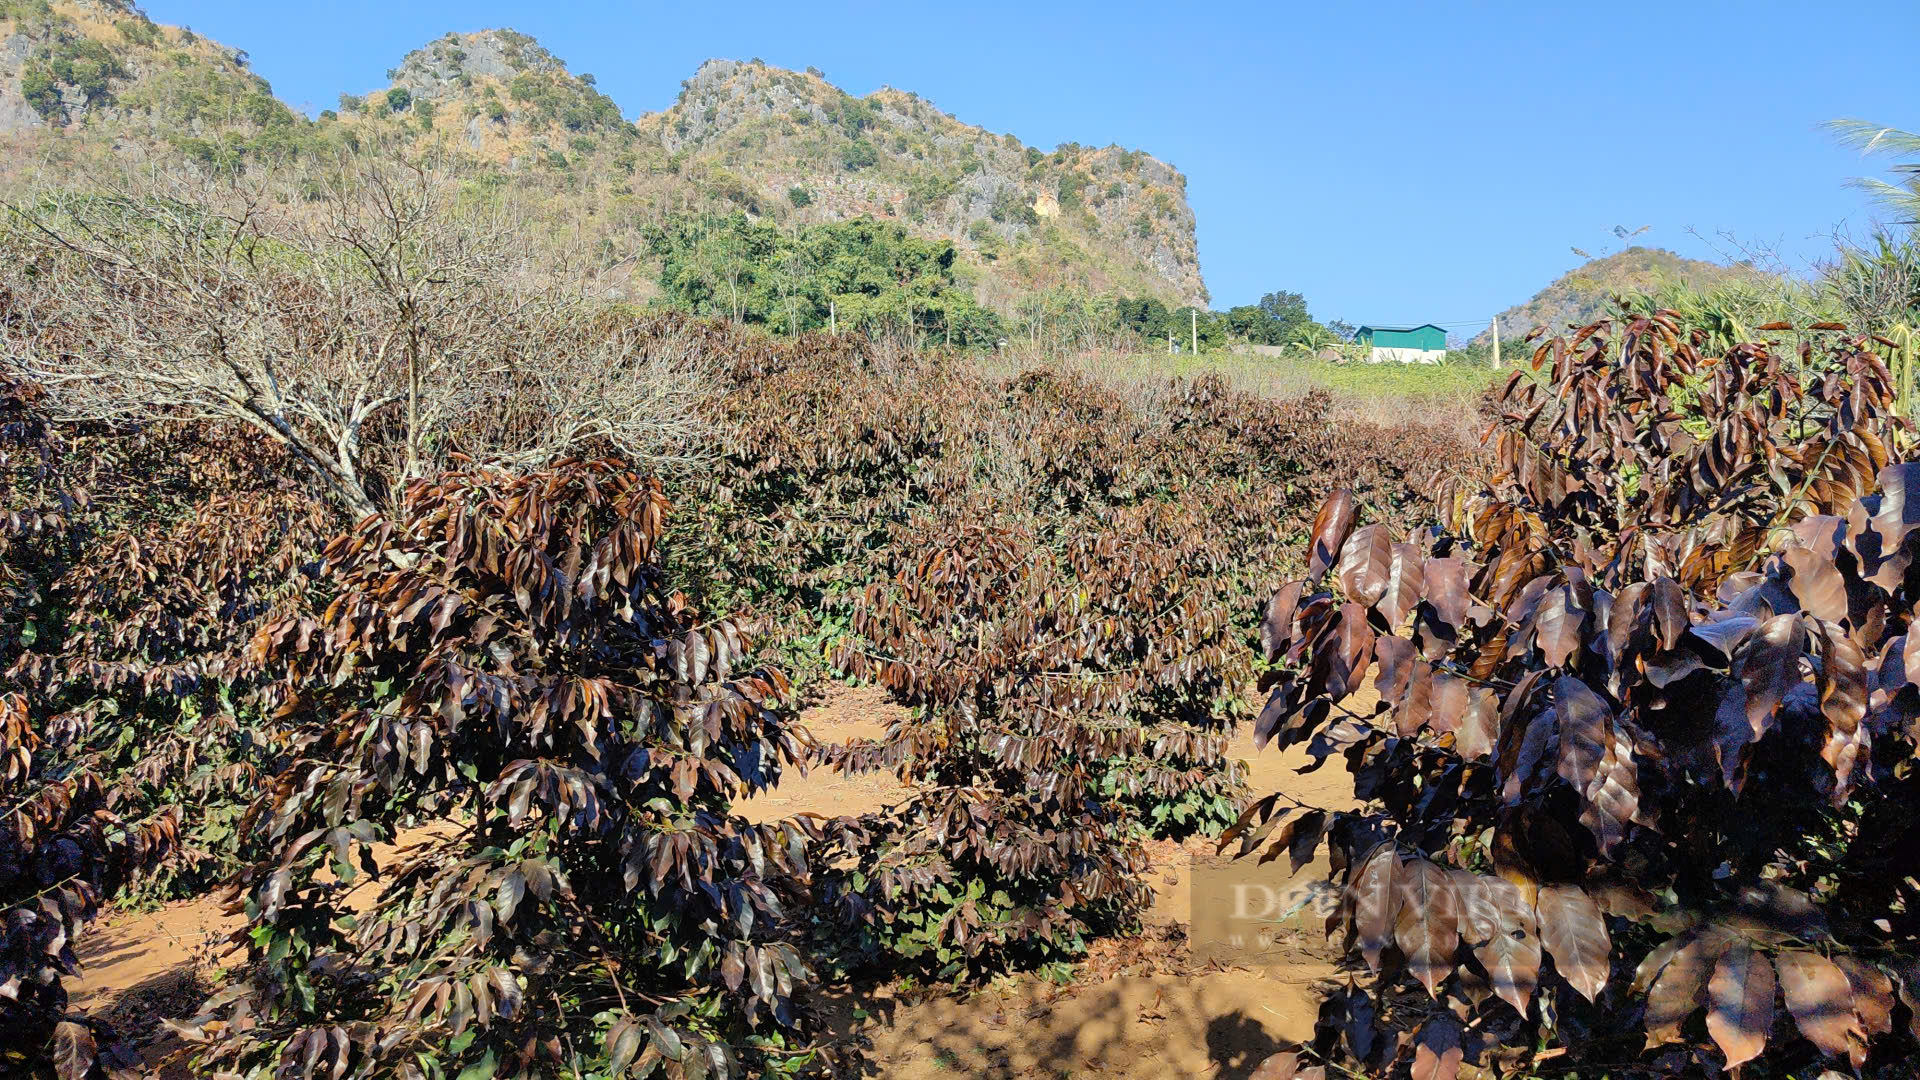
(1103, 219)
(84, 63)
(502, 96)
(779, 145)
(15, 113)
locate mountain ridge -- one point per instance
(1581, 294)
(743, 136)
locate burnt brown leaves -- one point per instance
(507, 655)
(109, 629)
(1644, 747)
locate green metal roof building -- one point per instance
(1423, 344)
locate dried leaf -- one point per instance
(1575, 936)
(1511, 955)
(1365, 564)
(1446, 590)
(1437, 1052)
(1406, 582)
(74, 1052)
(1816, 584)
(1820, 998)
(1740, 1003)
(1276, 627)
(1872, 994)
(1375, 900)
(1282, 1066)
(1669, 603)
(1585, 724)
(1682, 986)
(1427, 927)
(1559, 624)
(1769, 666)
(1331, 527)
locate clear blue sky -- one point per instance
(1392, 161)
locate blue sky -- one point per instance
(1393, 161)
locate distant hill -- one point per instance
(788, 147)
(89, 65)
(1103, 219)
(1580, 295)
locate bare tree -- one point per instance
(607, 381)
(369, 319)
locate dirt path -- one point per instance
(1157, 1017)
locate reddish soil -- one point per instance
(1142, 1007)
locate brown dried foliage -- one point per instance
(1050, 572)
(506, 652)
(68, 838)
(1648, 717)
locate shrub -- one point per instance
(399, 99)
(1648, 717)
(1011, 207)
(139, 31)
(38, 87)
(1039, 568)
(507, 653)
(859, 154)
(69, 839)
(799, 196)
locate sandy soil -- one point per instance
(1161, 1013)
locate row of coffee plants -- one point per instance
(1638, 794)
(1051, 573)
(133, 563)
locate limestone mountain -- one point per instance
(101, 67)
(793, 148)
(97, 76)
(498, 96)
(794, 145)
(1581, 295)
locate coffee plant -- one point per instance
(1052, 575)
(837, 453)
(69, 835)
(506, 656)
(1639, 780)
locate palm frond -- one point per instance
(1873, 138)
(1903, 198)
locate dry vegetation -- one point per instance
(326, 514)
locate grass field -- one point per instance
(1434, 394)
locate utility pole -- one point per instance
(1496, 343)
(1193, 327)
(833, 319)
(1169, 343)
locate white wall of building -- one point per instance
(1385, 354)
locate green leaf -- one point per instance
(480, 1070)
